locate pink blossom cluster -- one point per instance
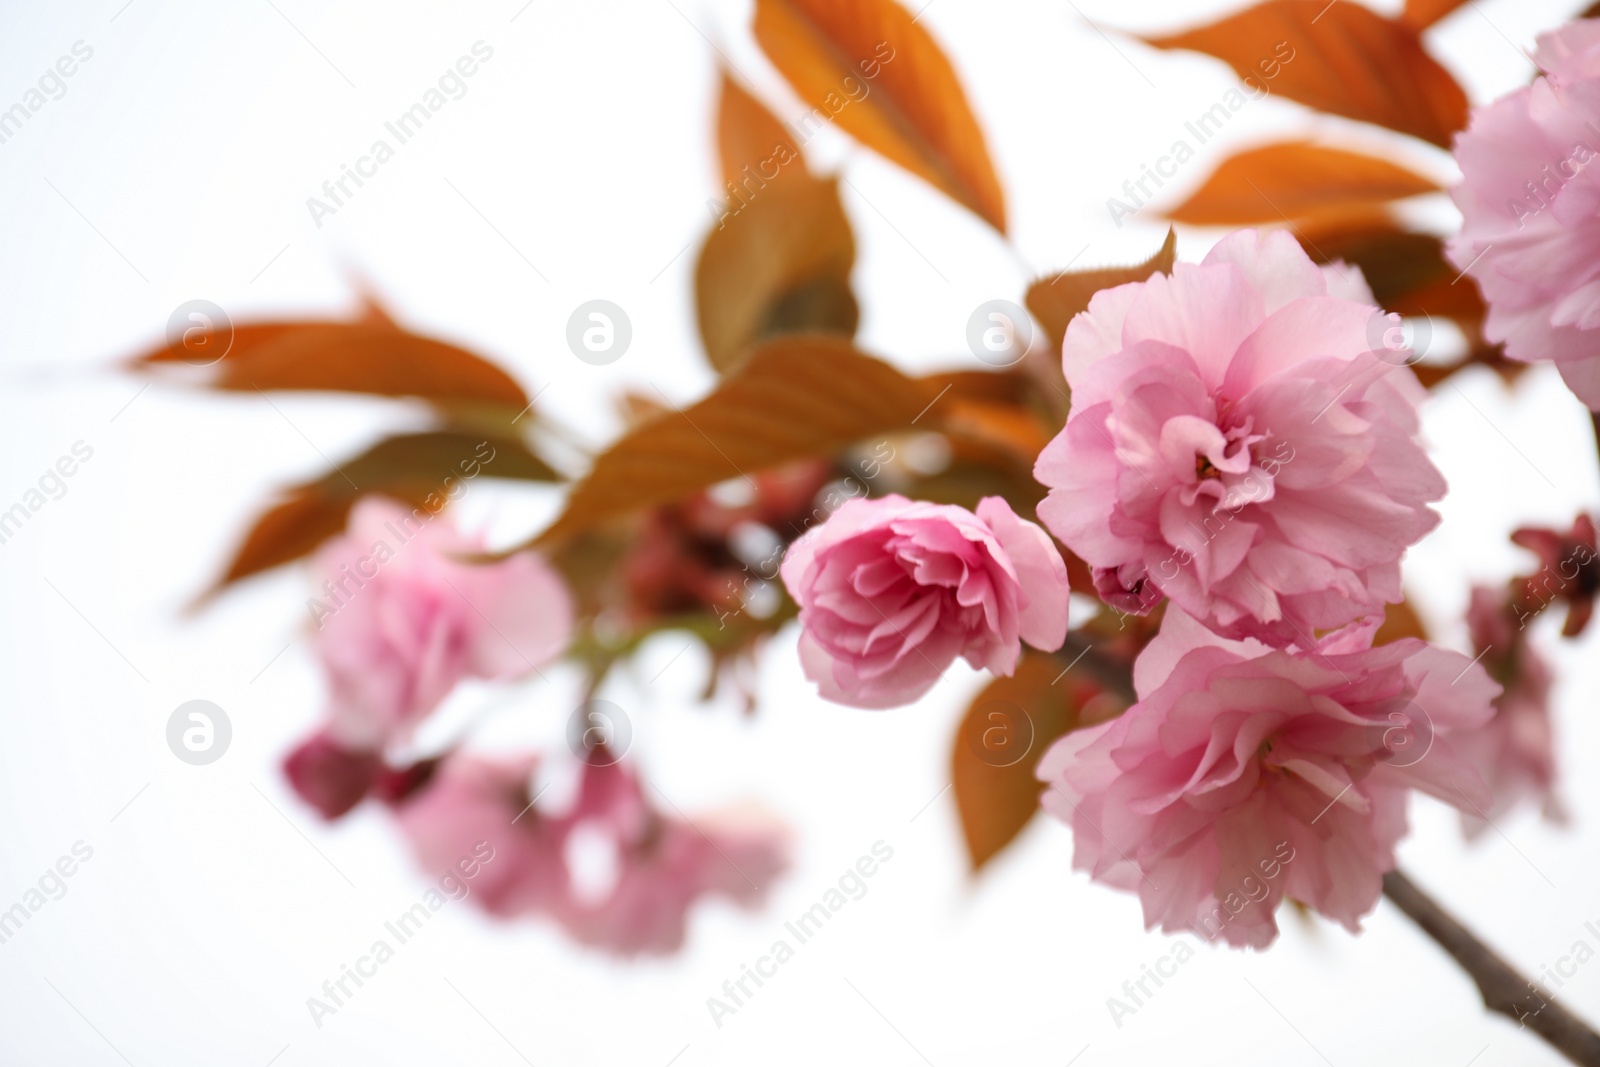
(1243, 447)
(1243, 444)
(660, 865)
(404, 614)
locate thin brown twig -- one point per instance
(1594, 416)
(1112, 675)
(1504, 990)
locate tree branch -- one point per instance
(1594, 416)
(1112, 675)
(1503, 989)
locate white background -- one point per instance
(181, 158)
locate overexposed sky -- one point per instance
(175, 164)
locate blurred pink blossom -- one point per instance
(471, 798)
(1243, 441)
(1246, 774)
(330, 777)
(1515, 752)
(663, 864)
(1569, 570)
(402, 617)
(1530, 205)
(892, 590)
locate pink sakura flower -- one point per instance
(892, 590)
(1245, 774)
(471, 799)
(1242, 441)
(662, 865)
(1515, 752)
(403, 616)
(1530, 205)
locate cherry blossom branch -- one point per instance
(1504, 990)
(1111, 674)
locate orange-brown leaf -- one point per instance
(411, 468)
(1010, 386)
(866, 65)
(1407, 271)
(294, 527)
(351, 357)
(1010, 429)
(1341, 58)
(795, 397)
(1290, 180)
(1055, 299)
(1420, 14)
(1000, 740)
(751, 140)
(779, 264)
(1409, 276)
